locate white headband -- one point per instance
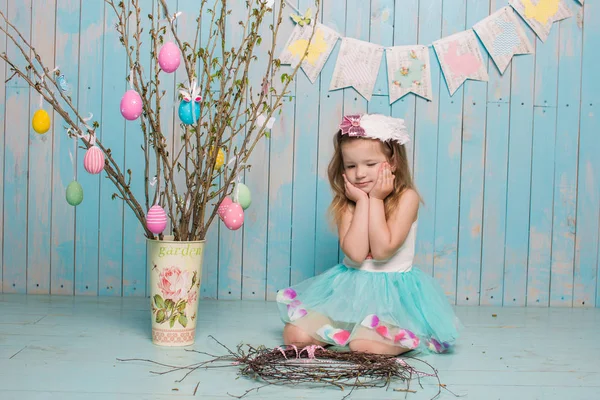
(375, 126)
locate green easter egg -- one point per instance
(242, 195)
(74, 193)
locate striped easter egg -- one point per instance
(156, 219)
(93, 162)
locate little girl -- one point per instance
(375, 301)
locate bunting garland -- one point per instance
(357, 65)
(408, 67)
(541, 14)
(320, 48)
(460, 59)
(408, 71)
(503, 37)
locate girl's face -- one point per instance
(362, 160)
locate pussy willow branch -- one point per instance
(220, 111)
(152, 115)
(278, 103)
(48, 93)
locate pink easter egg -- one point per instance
(223, 207)
(93, 162)
(156, 219)
(234, 216)
(131, 105)
(169, 57)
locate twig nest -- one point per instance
(242, 195)
(74, 193)
(93, 161)
(169, 57)
(40, 121)
(156, 219)
(131, 105)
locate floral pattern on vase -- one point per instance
(175, 274)
(177, 289)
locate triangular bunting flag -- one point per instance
(408, 71)
(541, 14)
(357, 66)
(461, 59)
(503, 36)
(320, 48)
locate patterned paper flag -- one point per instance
(320, 48)
(503, 37)
(408, 71)
(460, 59)
(357, 66)
(541, 14)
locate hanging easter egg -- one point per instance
(220, 159)
(189, 112)
(223, 207)
(156, 219)
(242, 195)
(189, 108)
(93, 162)
(234, 217)
(74, 193)
(131, 105)
(169, 57)
(40, 121)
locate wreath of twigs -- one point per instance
(314, 365)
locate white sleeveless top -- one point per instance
(401, 261)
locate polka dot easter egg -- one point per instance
(131, 105)
(223, 207)
(234, 217)
(220, 161)
(40, 121)
(93, 161)
(156, 219)
(169, 57)
(189, 108)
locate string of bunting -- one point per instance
(408, 67)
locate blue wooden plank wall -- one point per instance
(509, 168)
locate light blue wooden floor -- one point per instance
(66, 348)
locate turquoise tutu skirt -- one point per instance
(405, 309)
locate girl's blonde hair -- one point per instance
(396, 155)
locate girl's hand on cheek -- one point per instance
(352, 192)
(385, 183)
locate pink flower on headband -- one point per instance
(351, 126)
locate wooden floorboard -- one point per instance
(54, 347)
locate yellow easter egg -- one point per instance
(220, 159)
(40, 121)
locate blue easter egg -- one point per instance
(185, 112)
